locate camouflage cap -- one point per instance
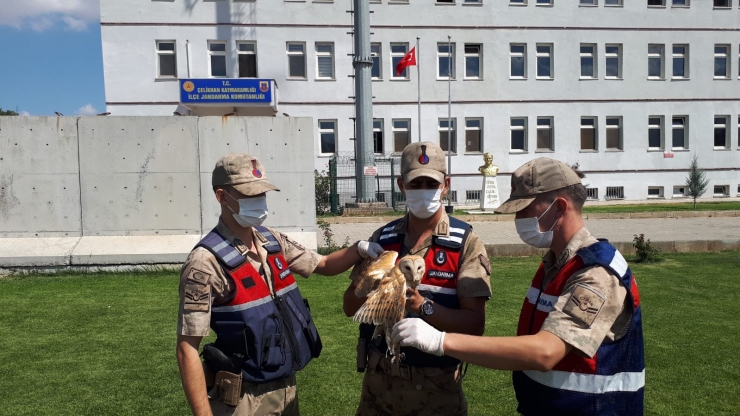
(423, 159)
(537, 177)
(243, 172)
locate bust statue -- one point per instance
(488, 168)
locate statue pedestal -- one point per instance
(489, 199)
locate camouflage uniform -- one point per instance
(586, 331)
(203, 284)
(425, 390)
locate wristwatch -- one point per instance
(427, 307)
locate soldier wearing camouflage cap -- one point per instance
(239, 281)
(452, 295)
(579, 349)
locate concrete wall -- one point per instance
(144, 176)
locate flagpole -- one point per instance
(449, 121)
(418, 83)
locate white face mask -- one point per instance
(529, 230)
(423, 203)
(252, 211)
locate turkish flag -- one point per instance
(408, 60)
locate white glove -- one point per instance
(369, 249)
(414, 332)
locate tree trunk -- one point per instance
(694, 204)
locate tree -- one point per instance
(7, 112)
(696, 182)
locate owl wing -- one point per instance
(372, 271)
(386, 304)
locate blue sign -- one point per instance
(226, 91)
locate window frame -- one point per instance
(453, 136)
(661, 193)
(594, 60)
(399, 55)
(588, 3)
(551, 127)
(685, 128)
(656, 6)
(380, 130)
(726, 127)
(544, 3)
(330, 55)
(549, 55)
(478, 55)
(686, 5)
(683, 194)
(379, 56)
(160, 53)
(661, 56)
(619, 3)
(661, 133)
(595, 128)
(685, 56)
(522, 55)
(333, 131)
(211, 54)
(451, 56)
(395, 129)
(726, 56)
(620, 132)
(524, 128)
(479, 129)
(239, 52)
(518, 3)
(303, 54)
(729, 4)
(611, 55)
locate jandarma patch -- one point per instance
(585, 304)
(197, 297)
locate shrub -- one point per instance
(645, 252)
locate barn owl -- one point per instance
(386, 303)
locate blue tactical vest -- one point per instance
(273, 329)
(439, 283)
(612, 382)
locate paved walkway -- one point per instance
(616, 230)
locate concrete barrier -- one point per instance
(131, 190)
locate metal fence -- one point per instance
(343, 178)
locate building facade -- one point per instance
(630, 90)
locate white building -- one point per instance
(628, 89)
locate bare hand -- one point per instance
(414, 299)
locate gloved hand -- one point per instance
(369, 249)
(414, 332)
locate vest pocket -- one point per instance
(273, 344)
(233, 338)
(303, 316)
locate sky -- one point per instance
(51, 57)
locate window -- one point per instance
(722, 61)
(589, 2)
(680, 61)
(544, 133)
(401, 134)
(588, 133)
(544, 61)
(679, 191)
(328, 136)
(445, 60)
(681, 3)
(655, 133)
(544, 2)
(655, 192)
(473, 135)
(398, 51)
(444, 130)
(473, 69)
(722, 3)
(738, 132)
(613, 61)
(296, 60)
(166, 59)
(378, 135)
(679, 133)
(656, 69)
(247, 57)
(473, 1)
(721, 190)
(656, 3)
(518, 55)
(446, 1)
(518, 2)
(614, 192)
(518, 134)
(472, 196)
(612, 3)
(721, 141)
(324, 60)
(217, 58)
(377, 56)
(592, 194)
(614, 133)
(588, 61)
(450, 197)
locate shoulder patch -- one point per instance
(197, 297)
(198, 276)
(485, 262)
(584, 305)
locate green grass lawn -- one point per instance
(103, 344)
(688, 206)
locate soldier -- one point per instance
(239, 281)
(452, 295)
(579, 347)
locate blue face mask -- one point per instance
(252, 211)
(529, 230)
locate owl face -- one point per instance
(413, 269)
